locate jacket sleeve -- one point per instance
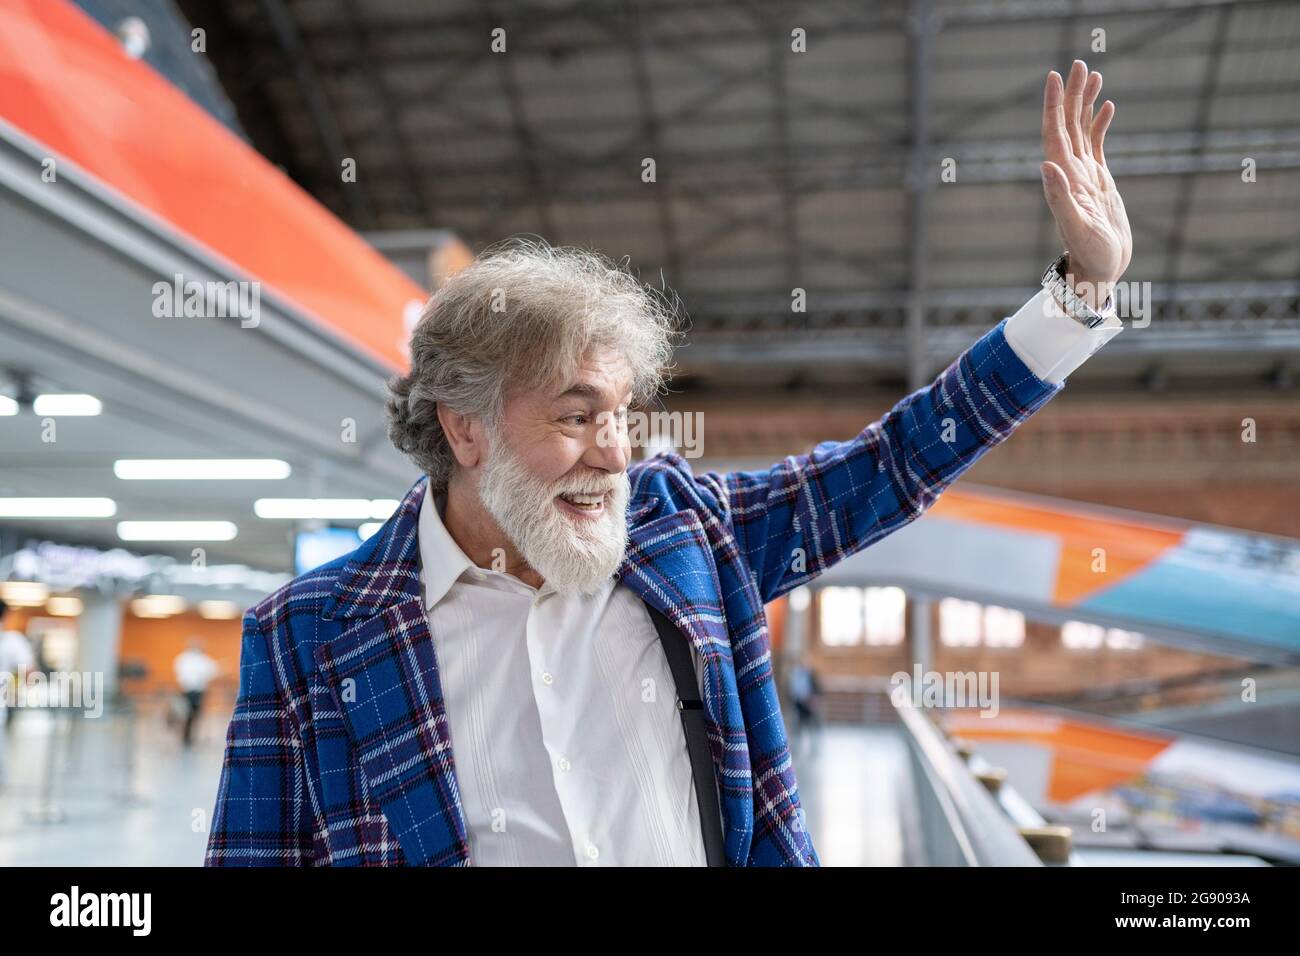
(262, 815)
(794, 520)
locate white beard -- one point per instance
(573, 555)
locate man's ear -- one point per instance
(464, 435)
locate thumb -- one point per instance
(1056, 189)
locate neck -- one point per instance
(478, 535)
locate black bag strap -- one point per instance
(691, 709)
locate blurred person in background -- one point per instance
(195, 670)
(16, 659)
(805, 692)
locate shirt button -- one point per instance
(592, 852)
(563, 764)
(547, 678)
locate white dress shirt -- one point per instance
(568, 745)
(1050, 342)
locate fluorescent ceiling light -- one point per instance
(369, 528)
(201, 469)
(71, 404)
(219, 610)
(176, 530)
(64, 606)
(57, 507)
(24, 593)
(344, 509)
(8, 406)
(157, 605)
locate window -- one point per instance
(959, 623)
(841, 616)
(886, 610)
(1003, 627)
(851, 616)
(1123, 640)
(970, 624)
(1078, 636)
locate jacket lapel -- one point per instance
(383, 674)
(665, 566)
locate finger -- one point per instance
(1056, 189)
(1090, 91)
(1099, 127)
(1073, 104)
(1056, 142)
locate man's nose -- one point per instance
(609, 450)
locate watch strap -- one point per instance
(1055, 282)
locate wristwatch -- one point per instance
(1054, 281)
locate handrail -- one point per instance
(1029, 822)
(964, 824)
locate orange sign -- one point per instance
(67, 83)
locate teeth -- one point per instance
(584, 501)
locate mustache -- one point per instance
(603, 486)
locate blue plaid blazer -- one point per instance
(339, 752)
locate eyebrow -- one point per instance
(582, 390)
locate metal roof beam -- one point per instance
(418, 185)
(1201, 126)
(923, 25)
(332, 145)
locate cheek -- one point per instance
(556, 458)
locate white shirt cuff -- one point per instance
(1050, 342)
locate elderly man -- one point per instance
(551, 655)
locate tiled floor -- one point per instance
(155, 813)
(853, 782)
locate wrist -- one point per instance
(1081, 298)
(1095, 290)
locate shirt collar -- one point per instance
(441, 560)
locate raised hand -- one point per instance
(1089, 213)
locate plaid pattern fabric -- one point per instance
(339, 753)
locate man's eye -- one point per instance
(578, 420)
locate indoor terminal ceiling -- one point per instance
(818, 170)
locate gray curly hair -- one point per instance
(522, 316)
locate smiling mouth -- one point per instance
(584, 505)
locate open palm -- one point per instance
(1089, 213)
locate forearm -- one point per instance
(807, 512)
